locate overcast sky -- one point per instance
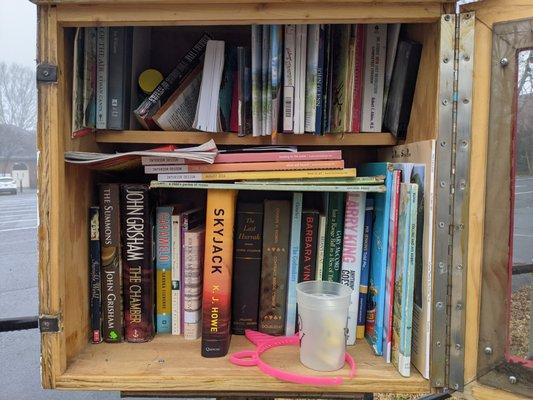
(18, 32)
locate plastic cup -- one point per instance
(322, 315)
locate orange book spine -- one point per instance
(218, 265)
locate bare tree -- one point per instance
(18, 96)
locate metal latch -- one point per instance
(46, 73)
(49, 323)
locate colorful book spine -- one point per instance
(276, 57)
(320, 77)
(358, 77)
(102, 65)
(334, 232)
(301, 67)
(137, 263)
(95, 295)
(218, 266)
(313, 42)
(112, 325)
(163, 267)
(340, 54)
(193, 249)
(247, 267)
(289, 71)
(275, 261)
(308, 245)
(257, 95)
(352, 251)
(321, 244)
(404, 288)
(391, 265)
(266, 99)
(365, 269)
(294, 262)
(177, 284)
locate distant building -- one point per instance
(18, 155)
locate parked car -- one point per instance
(8, 185)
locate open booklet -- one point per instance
(103, 161)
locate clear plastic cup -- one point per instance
(322, 315)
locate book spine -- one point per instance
(279, 156)
(237, 109)
(164, 269)
(352, 251)
(289, 71)
(227, 84)
(300, 78)
(89, 78)
(77, 123)
(247, 268)
(333, 243)
(273, 298)
(365, 269)
(126, 77)
(218, 265)
(95, 290)
(276, 57)
(393, 34)
(177, 284)
(265, 79)
(115, 100)
(112, 326)
(321, 243)
(102, 58)
(373, 77)
(193, 267)
(358, 77)
(320, 78)
(137, 263)
(340, 54)
(350, 77)
(308, 246)
(328, 81)
(313, 41)
(257, 95)
(294, 262)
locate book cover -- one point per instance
(274, 269)
(359, 54)
(289, 72)
(294, 262)
(89, 78)
(266, 90)
(276, 58)
(112, 313)
(162, 92)
(404, 286)
(119, 84)
(378, 256)
(163, 240)
(373, 77)
(300, 78)
(311, 84)
(247, 267)
(77, 123)
(391, 264)
(320, 81)
(365, 268)
(95, 292)
(218, 266)
(193, 250)
(257, 80)
(320, 247)
(137, 262)
(334, 232)
(352, 251)
(340, 37)
(226, 87)
(393, 35)
(102, 64)
(308, 245)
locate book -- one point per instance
(95, 293)
(77, 123)
(365, 269)
(289, 76)
(358, 180)
(402, 88)
(266, 90)
(89, 78)
(373, 77)
(247, 267)
(102, 65)
(229, 176)
(175, 273)
(320, 78)
(321, 243)
(193, 261)
(112, 313)
(163, 240)
(404, 286)
(328, 80)
(294, 262)
(311, 84)
(378, 256)
(274, 267)
(218, 266)
(300, 78)
(308, 246)
(207, 116)
(235, 167)
(276, 60)
(162, 92)
(226, 87)
(393, 35)
(356, 95)
(334, 230)
(137, 262)
(340, 38)
(256, 75)
(119, 84)
(140, 62)
(244, 92)
(391, 264)
(352, 251)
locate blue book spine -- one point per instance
(294, 261)
(365, 268)
(378, 256)
(320, 82)
(164, 269)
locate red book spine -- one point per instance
(358, 78)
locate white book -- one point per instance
(176, 275)
(352, 252)
(193, 271)
(393, 34)
(373, 77)
(313, 39)
(289, 71)
(299, 88)
(320, 247)
(102, 60)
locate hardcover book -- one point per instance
(112, 324)
(119, 84)
(274, 270)
(95, 294)
(359, 53)
(313, 43)
(137, 262)
(266, 89)
(365, 268)
(244, 92)
(256, 73)
(294, 262)
(320, 247)
(308, 245)
(299, 81)
(218, 266)
(340, 37)
(226, 87)
(320, 81)
(334, 231)
(102, 65)
(289, 76)
(276, 58)
(393, 35)
(193, 251)
(247, 267)
(89, 78)
(163, 238)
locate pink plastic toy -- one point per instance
(264, 342)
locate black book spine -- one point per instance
(247, 267)
(115, 93)
(95, 290)
(308, 246)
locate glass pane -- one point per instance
(521, 326)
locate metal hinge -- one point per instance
(46, 73)
(49, 323)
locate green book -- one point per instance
(334, 208)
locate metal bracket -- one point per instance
(46, 73)
(49, 323)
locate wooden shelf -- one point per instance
(159, 137)
(170, 363)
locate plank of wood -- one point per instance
(172, 363)
(230, 1)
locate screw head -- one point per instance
(466, 57)
(460, 267)
(504, 62)
(467, 16)
(46, 72)
(447, 17)
(445, 60)
(512, 379)
(458, 346)
(456, 386)
(459, 306)
(488, 350)
(439, 305)
(444, 102)
(466, 101)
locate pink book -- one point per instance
(233, 167)
(358, 78)
(391, 265)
